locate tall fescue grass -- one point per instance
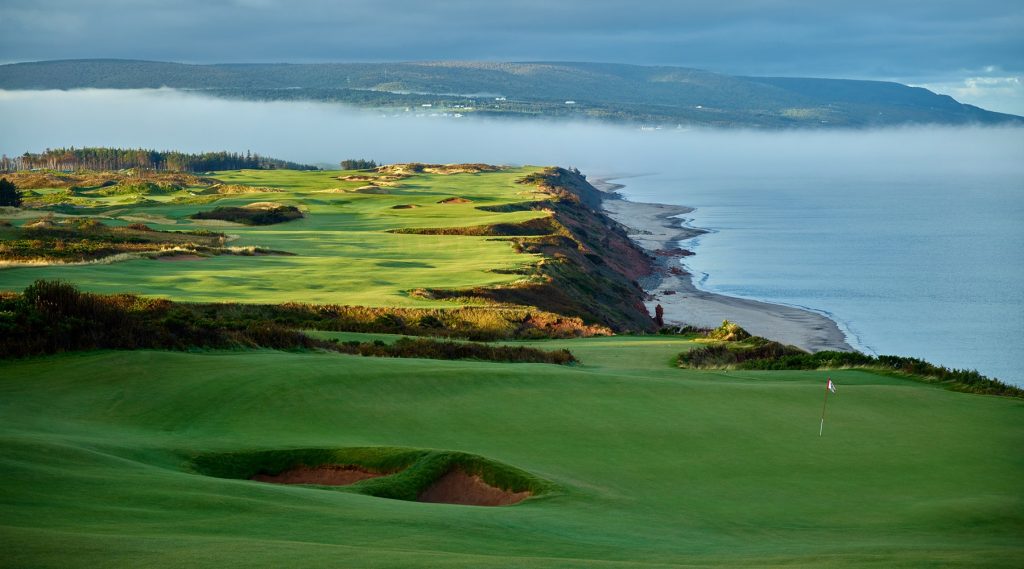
(52, 317)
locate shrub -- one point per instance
(9, 195)
(54, 316)
(252, 216)
(758, 353)
(728, 332)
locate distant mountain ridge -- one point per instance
(644, 94)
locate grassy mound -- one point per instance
(408, 473)
(262, 213)
(85, 239)
(53, 316)
(240, 189)
(444, 169)
(728, 332)
(142, 188)
(91, 180)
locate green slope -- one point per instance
(655, 466)
(343, 250)
(669, 95)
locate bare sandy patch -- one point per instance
(147, 218)
(459, 487)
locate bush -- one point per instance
(9, 195)
(54, 316)
(728, 332)
(252, 216)
(761, 354)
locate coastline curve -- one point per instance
(660, 229)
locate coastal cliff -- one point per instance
(590, 266)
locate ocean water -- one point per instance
(911, 239)
(926, 266)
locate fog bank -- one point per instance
(326, 133)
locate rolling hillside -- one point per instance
(653, 95)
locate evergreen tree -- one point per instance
(358, 164)
(122, 158)
(9, 195)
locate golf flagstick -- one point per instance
(828, 387)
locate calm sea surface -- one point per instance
(911, 239)
(926, 266)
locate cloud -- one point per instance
(921, 42)
(998, 93)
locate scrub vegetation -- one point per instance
(735, 348)
(259, 213)
(53, 317)
(67, 240)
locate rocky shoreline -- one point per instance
(659, 229)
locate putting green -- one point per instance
(654, 466)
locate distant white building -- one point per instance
(570, 102)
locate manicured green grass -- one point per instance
(653, 466)
(345, 253)
(642, 464)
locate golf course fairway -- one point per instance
(653, 466)
(136, 457)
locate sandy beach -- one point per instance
(659, 229)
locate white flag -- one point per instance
(831, 386)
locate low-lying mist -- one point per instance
(325, 133)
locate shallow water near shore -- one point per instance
(910, 238)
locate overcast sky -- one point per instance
(973, 50)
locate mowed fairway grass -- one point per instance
(343, 250)
(655, 466)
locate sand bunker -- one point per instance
(413, 475)
(357, 178)
(404, 206)
(183, 257)
(455, 200)
(263, 205)
(328, 475)
(147, 218)
(459, 487)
